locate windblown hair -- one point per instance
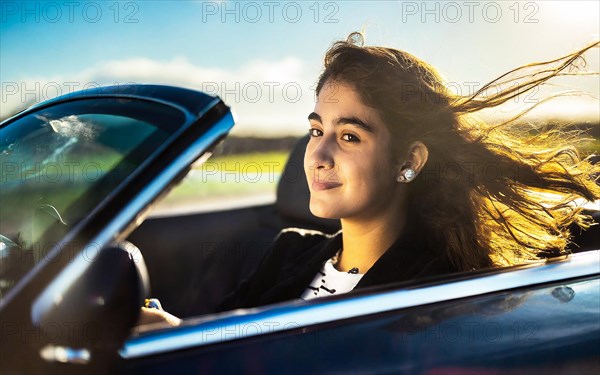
(490, 193)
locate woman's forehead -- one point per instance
(340, 100)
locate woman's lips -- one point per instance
(318, 186)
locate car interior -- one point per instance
(195, 260)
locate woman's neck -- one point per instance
(365, 241)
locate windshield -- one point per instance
(58, 164)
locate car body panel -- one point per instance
(361, 303)
(545, 329)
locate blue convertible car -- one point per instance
(77, 259)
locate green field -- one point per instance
(230, 176)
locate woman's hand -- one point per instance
(154, 316)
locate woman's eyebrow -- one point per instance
(315, 117)
(352, 120)
(355, 121)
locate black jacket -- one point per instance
(298, 254)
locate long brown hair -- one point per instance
(490, 193)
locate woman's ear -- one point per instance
(418, 156)
(415, 161)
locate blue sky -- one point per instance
(263, 57)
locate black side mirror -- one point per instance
(96, 314)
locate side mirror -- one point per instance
(95, 315)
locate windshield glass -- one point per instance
(58, 164)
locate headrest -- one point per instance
(293, 195)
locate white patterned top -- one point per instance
(329, 281)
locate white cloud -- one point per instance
(268, 97)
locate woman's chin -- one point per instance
(323, 212)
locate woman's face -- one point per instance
(348, 160)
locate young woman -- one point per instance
(422, 187)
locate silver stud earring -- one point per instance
(406, 175)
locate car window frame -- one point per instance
(209, 125)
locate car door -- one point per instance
(539, 318)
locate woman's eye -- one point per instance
(350, 138)
(315, 132)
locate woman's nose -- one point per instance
(322, 156)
